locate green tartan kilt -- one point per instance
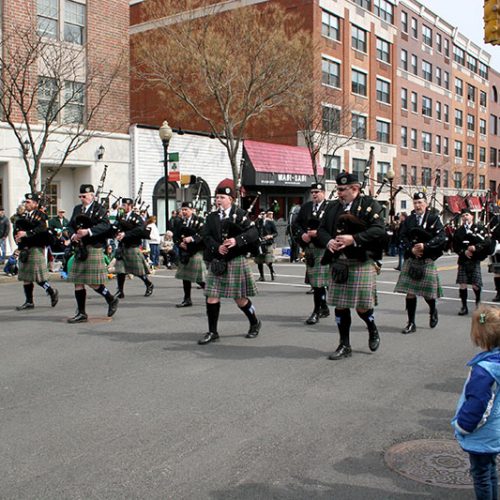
(318, 275)
(360, 290)
(429, 286)
(194, 271)
(35, 270)
(473, 277)
(237, 282)
(133, 262)
(267, 257)
(91, 271)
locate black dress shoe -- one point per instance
(343, 351)
(272, 276)
(409, 328)
(25, 306)
(254, 330)
(433, 319)
(313, 319)
(261, 278)
(149, 290)
(310, 292)
(209, 337)
(113, 306)
(120, 295)
(79, 318)
(373, 338)
(463, 311)
(324, 312)
(54, 298)
(496, 298)
(185, 303)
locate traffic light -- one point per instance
(492, 21)
(188, 180)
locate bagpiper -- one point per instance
(32, 236)
(228, 235)
(131, 230)
(191, 267)
(305, 229)
(265, 253)
(423, 237)
(352, 232)
(89, 228)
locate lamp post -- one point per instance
(390, 174)
(165, 136)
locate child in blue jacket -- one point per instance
(477, 419)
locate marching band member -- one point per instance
(228, 235)
(267, 232)
(423, 236)
(32, 236)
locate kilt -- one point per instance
(267, 257)
(318, 275)
(360, 290)
(428, 287)
(472, 277)
(194, 271)
(133, 262)
(237, 282)
(35, 270)
(91, 271)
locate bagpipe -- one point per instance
(477, 238)
(192, 247)
(36, 239)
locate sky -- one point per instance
(467, 16)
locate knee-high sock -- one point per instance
(261, 269)
(81, 298)
(497, 285)
(368, 318)
(102, 290)
(28, 292)
(249, 311)
(343, 319)
(120, 278)
(271, 268)
(432, 305)
(145, 279)
(463, 296)
(46, 286)
(213, 316)
(318, 299)
(411, 308)
(478, 295)
(186, 285)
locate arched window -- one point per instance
(494, 93)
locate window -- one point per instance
(359, 126)
(472, 63)
(404, 98)
(404, 22)
(414, 64)
(413, 175)
(358, 82)
(48, 104)
(330, 73)
(470, 152)
(482, 126)
(383, 91)
(74, 22)
(446, 79)
(404, 137)
(331, 119)
(482, 155)
(457, 179)
(446, 47)
(459, 55)
(471, 93)
(458, 149)
(47, 17)
(471, 122)
(358, 167)
(413, 138)
(383, 50)
(439, 42)
(446, 179)
(438, 110)
(427, 71)
(74, 94)
(384, 10)
(382, 169)
(383, 131)
(446, 113)
(493, 125)
(330, 25)
(366, 4)
(332, 167)
(51, 197)
(414, 103)
(493, 157)
(482, 98)
(426, 35)
(404, 59)
(446, 146)
(426, 106)
(438, 76)
(459, 87)
(438, 144)
(414, 27)
(426, 176)
(483, 70)
(482, 182)
(470, 181)
(426, 142)
(459, 118)
(404, 174)
(358, 37)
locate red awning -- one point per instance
(280, 158)
(474, 203)
(455, 203)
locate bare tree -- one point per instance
(51, 93)
(227, 67)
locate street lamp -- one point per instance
(389, 175)
(165, 136)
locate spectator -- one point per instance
(167, 249)
(154, 241)
(11, 268)
(59, 221)
(4, 233)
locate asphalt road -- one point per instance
(134, 408)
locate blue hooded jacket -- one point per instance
(477, 418)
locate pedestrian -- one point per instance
(228, 235)
(472, 245)
(267, 233)
(191, 267)
(129, 258)
(154, 241)
(32, 237)
(400, 246)
(305, 231)
(294, 246)
(424, 240)
(353, 233)
(4, 233)
(477, 418)
(89, 228)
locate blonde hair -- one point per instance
(485, 327)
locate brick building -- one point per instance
(494, 132)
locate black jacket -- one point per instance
(4, 227)
(476, 235)
(36, 227)
(308, 219)
(134, 229)
(95, 219)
